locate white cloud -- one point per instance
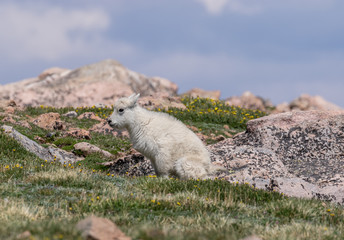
(214, 6)
(48, 33)
(246, 7)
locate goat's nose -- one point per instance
(109, 121)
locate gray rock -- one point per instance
(297, 153)
(88, 148)
(49, 153)
(71, 114)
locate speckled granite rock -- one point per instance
(132, 165)
(298, 153)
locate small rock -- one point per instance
(24, 235)
(193, 128)
(10, 119)
(95, 228)
(11, 103)
(39, 139)
(88, 148)
(252, 237)
(78, 133)
(203, 137)
(71, 114)
(228, 134)
(10, 110)
(50, 134)
(100, 105)
(219, 138)
(90, 115)
(49, 121)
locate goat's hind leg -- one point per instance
(190, 167)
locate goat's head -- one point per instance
(123, 112)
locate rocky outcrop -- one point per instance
(197, 92)
(101, 82)
(50, 153)
(162, 101)
(297, 153)
(249, 101)
(306, 103)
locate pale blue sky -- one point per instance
(275, 49)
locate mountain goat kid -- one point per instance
(173, 149)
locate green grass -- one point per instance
(212, 115)
(48, 199)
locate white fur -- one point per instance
(173, 149)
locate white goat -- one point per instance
(173, 149)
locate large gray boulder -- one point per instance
(297, 153)
(102, 82)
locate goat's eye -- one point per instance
(121, 110)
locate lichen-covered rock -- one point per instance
(297, 153)
(49, 121)
(78, 133)
(310, 144)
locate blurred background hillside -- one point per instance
(274, 49)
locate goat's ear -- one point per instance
(133, 98)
